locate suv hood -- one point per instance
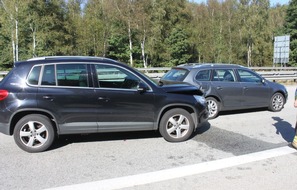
(182, 89)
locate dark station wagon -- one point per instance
(229, 87)
(42, 98)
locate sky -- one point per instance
(282, 2)
(272, 2)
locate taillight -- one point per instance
(3, 94)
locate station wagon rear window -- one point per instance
(176, 74)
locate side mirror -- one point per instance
(142, 87)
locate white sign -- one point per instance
(281, 49)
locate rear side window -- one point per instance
(224, 75)
(60, 75)
(33, 76)
(49, 75)
(176, 75)
(203, 75)
(72, 75)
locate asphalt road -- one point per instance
(79, 159)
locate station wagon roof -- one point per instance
(208, 65)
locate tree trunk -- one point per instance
(130, 44)
(14, 31)
(16, 36)
(13, 47)
(143, 51)
(249, 55)
(34, 40)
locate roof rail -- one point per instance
(190, 64)
(64, 57)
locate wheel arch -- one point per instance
(215, 97)
(22, 113)
(282, 93)
(186, 107)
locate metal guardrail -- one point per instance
(270, 73)
(2, 74)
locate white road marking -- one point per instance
(179, 172)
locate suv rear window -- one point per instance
(176, 74)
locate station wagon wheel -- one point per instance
(34, 133)
(277, 102)
(176, 125)
(213, 107)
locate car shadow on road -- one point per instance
(202, 128)
(64, 140)
(284, 128)
(232, 112)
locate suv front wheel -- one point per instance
(34, 133)
(176, 125)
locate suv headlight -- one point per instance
(200, 99)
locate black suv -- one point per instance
(48, 96)
(229, 87)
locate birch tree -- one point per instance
(11, 8)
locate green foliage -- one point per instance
(118, 49)
(146, 32)
(291, 28)
(178, 47)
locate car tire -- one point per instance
(277, 102)
(213, 107)
(34, 133)
(176, 125)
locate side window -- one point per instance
(72, 75)
(49, 76)
(247, 76)
(203, 75)
(33, 77)
(224, 75)
(115, 77)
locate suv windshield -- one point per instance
(176, 74)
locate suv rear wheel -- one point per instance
(176, 125)
(34, 133)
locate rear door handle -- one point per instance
(219, 88)
(48, 97)
(103, 99)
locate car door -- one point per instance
(255, 91)
(203, 77)
(121, 106)
(66, 91)
(226, 86)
